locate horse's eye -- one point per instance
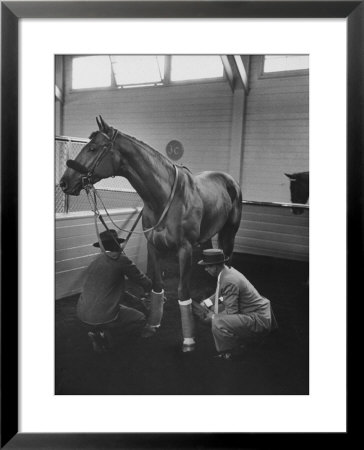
(92, 148)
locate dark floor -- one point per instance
(157, 366)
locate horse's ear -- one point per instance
(103, 126)
(99, 123)
(290, 176)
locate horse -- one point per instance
(181, 210)
(299, 187)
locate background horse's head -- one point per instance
(95, 161)
(299, 187)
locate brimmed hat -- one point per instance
(212, 256)
(109, 238)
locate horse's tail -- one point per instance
(236, 197)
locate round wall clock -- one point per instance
(174, 150)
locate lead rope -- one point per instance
(97, 214)
(93, 205)
(96, 194)
(95, 210)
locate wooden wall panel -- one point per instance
(276, 136)
(75, 235)
(273, 231)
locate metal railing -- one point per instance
(115, 192)
(276, 204)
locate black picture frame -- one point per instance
(11, 13)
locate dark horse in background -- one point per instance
(299, 186)
(181, 210)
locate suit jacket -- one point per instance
(238, 295)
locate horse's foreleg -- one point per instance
(157, 294)
(154, 268)
(185, 301)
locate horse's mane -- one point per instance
(150, 150)
(156, 157)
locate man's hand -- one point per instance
(145, 299)
(202, 313)
(208, 318)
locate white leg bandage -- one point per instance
(188, 329)
(156, 308)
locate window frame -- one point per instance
(281, 73)
(166, 82)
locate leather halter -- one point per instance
(87, 184)
(86, 180)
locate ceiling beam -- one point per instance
(228, 71)
(236, 72)
(243, 72)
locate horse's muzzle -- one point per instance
(69, 190)
(297, 211)
(63, 185)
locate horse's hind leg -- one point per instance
(226, 236)
(226, 239)
(206, 245)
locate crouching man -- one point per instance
(236, 312)
(99, 305)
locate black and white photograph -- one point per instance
(182, 224)
(181, 199)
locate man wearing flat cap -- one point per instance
(236, 312)
(104, 289)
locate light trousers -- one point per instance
(230, 330)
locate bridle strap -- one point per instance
(88, 186)
(109, 146)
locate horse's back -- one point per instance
(215, 185)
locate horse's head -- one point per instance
(299, 186)
(94, 162)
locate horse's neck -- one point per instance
(150, 177)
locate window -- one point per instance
(197, 67)
(124, 71)
(138, 70)
(284, 63)
(91, 72)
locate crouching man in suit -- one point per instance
(236, 312)
(99, 307)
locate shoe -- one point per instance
(225, 355)
(148, 331)
(96, 342)
(233, 355)
(107, 340)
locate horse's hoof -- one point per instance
(188, 348)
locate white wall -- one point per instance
(276, 138)
(198, 115)
(204, 118)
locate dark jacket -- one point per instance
(104, 287)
